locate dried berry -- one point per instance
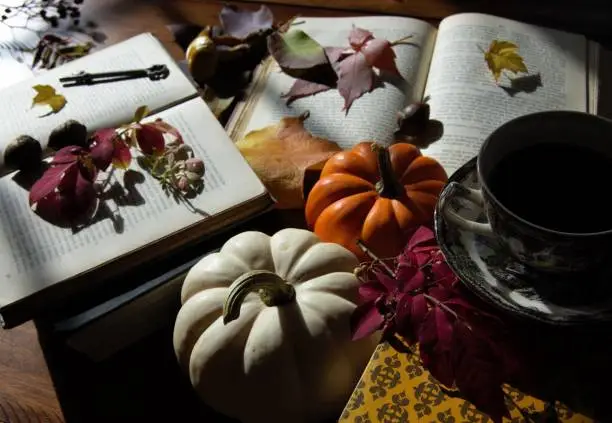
(24, 153)
(68, 133)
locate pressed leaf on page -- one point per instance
(279, 154)
(46, 95)
(354, 66)
(503, 55)
(298, 54)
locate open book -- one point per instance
(39, 262)
(447, 65)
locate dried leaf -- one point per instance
(503, 55)
(74, 52)
(478, 373)
(150, 139)
(355, 78)
(298, 54)
(122, 156)
(140, 113)
(280, 153)
(46, 95)
(165, 128)
(242, 23)
(52, 178)
(436, 344)
(365, 320)
(358, 37)
(302, 88)
(102, 147)
(379, 54)
(65, 194)
(354, 68)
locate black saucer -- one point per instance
(485, 267)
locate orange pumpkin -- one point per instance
(374, 194)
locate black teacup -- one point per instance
(545, 181)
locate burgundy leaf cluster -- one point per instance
(418, 297)
(66, 194)
(353, 67)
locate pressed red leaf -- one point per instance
(379, 54)
(63, 195)
(435, 344)
(422, 237)
(122, 156)
(411, 277)
(371, 290)
(150, 139)
(49, 182)
(335, 54)
(418, 310)
(365, 320)
(411, 312)
(166, 128)
(355, 78)
(358, 37)
(102, 147)
(302, 88)
(478, 372)
(387, 281)
(83, 198)
(68, 154)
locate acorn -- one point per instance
(71, 132)
(23, 153)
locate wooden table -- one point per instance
(26, 391)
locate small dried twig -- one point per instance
(375, 258)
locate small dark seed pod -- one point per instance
(24, 153)
(68, 133)
(416, 111)
(413, 119)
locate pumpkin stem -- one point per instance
(387, 186)
(272, 290)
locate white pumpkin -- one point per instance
(264, 328)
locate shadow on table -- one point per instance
(142, 383)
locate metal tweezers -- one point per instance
(154, 73)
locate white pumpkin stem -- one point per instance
(272, 290)
(387, 186)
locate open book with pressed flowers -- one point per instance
(445, 65)
(133, 170)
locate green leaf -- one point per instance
(300, 56)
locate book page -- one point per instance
(35, 254)
(371, 117)
(96, 106)
(464, 95)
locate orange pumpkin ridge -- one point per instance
(375, 194)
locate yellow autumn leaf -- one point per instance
(280, 154)
(503, 55)
(46, 95)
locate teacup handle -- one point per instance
(455, 189)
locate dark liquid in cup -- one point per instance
(557, 186)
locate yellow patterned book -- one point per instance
(395, 388)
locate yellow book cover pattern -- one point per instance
(395, 388)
